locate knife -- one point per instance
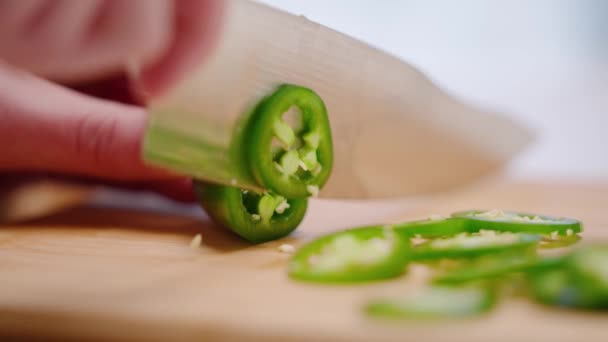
(395, 133)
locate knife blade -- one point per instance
(395, 133)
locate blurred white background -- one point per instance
(543, 62)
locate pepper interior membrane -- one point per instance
(265, 206)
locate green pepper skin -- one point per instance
(225, 206)
(393, 265)
(427, 251)
(432, 228)
(435, 303)
(260, 138)
(559, 225)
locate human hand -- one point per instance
(48, 128)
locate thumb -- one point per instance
(45, 127)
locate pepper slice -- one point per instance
(432, 227)
(436, 302)
(356, 255)
(581, 283)
(509, 221)
(493, 267)
(471, 245)
(554, 288)
(257, 217)
(294, 160)
(589, 268)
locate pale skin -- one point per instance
(58, 57)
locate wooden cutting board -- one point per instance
(116, 274)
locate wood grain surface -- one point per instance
(95, 273)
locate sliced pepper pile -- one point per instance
(285, 145)
(488, 251)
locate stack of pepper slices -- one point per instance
(289, 156)
(476, 255)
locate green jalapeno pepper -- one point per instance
(293, 160)
(471, 245)
(257, 217)
(436, 302)
(519, 222)
(356, 255)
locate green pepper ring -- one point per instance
(391, 266)
(261, 135)
(436, 303)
